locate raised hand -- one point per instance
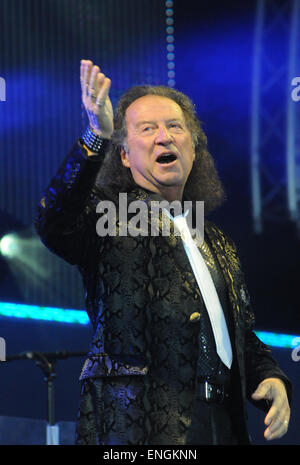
(94, 88)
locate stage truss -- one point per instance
(275, 115)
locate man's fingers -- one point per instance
(104, 86)
(277, 428)
(93, 87)
(262, 392)
(86, 67)
(278, 416)
(272, 415)
(277, 420)
(82, 82)
(94, 84)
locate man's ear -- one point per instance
(124, 157)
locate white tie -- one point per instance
(208, 290)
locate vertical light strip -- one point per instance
(170, 43)
(255, 118)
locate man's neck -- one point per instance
(168, 193)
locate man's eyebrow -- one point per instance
(171, 120)
(139, 123)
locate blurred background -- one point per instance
(236, 60)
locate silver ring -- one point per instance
(91, 92)
(100, 104)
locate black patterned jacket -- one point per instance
(126, 278)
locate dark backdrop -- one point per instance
(214, 56)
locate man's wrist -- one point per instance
(99, 133)
(94, 143)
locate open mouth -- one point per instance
(166, 158)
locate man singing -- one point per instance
(173, 356)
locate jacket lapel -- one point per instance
(159, 221)
(229, 265)
(224, 251)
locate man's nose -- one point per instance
(163, 136)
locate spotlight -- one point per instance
(28, 270)
(9, 246)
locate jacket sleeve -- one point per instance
(259, 362)
(66, 215)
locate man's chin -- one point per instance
(170, 179)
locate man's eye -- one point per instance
(175, 125)
(147, 128)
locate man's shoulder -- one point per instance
(217, 234)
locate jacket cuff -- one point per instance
(97, 157)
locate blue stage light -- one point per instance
(60, 315)
(284, 341)
(63, 315)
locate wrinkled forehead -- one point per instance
(153, 108)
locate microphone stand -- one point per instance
(46, 361)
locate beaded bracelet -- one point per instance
(92, 141)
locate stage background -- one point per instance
(42, 43)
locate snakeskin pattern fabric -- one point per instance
(140, 294)
(115, 410)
